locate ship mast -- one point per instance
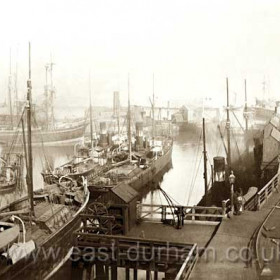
(90, 114)
(47, 96)
(10, 91)
(205, 163)
(118, 119)
(28, 112)
(153, 111)
(51, 92)
(246, 106)
(129, 119)
(16, 88)
(228, 131)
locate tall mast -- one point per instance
(16, 88)
(205, 164)
(228, 131)
(153, 110)
(246, 106)
(29, 143)
(10, 91)
(90, 113)
(47, 96)
(52, 92)
(129, 119)
(118, 117)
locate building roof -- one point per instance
(125, 192)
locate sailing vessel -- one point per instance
(37, 246)
(45, 128)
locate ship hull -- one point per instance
(55, 137)
(148, 175)
(50, 255)
(187, 127)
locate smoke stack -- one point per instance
(219, 169)
(139, 134)
(103, 135)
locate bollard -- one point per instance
(224, 206)
(266, 273)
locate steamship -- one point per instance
(134, 163)
(255, 165)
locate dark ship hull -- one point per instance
(146, 176)
(49, 255)
(188, 127)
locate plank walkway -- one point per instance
(268, 245)
(230, 244)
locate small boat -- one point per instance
(10, 172)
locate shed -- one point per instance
(122, 200)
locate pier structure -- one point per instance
(216, 244)
(239, 240)
(132, 257)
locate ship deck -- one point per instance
(47, 215)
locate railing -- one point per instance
(266, 191)
(254, 200)
(174, 259)
(250, 200)
(188, 264)
(178, 214)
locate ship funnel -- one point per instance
(139, 135)
(103, 135)
(219, 169)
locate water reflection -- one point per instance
(184, 181)
(42, 155)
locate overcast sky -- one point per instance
(190, 46)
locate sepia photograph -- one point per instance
(140, 140)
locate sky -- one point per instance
(189, 46)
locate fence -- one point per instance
(254, 199)
(178, 214)
(266, 191)
(175, 260)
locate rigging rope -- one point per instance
(190, 193)
(195, 166)
(42, 143)
(17, 132)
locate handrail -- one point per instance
(266, 191)
(271, 180)
(157, 212)
(188, 264)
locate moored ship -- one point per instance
(45, 128)
(47, 218)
